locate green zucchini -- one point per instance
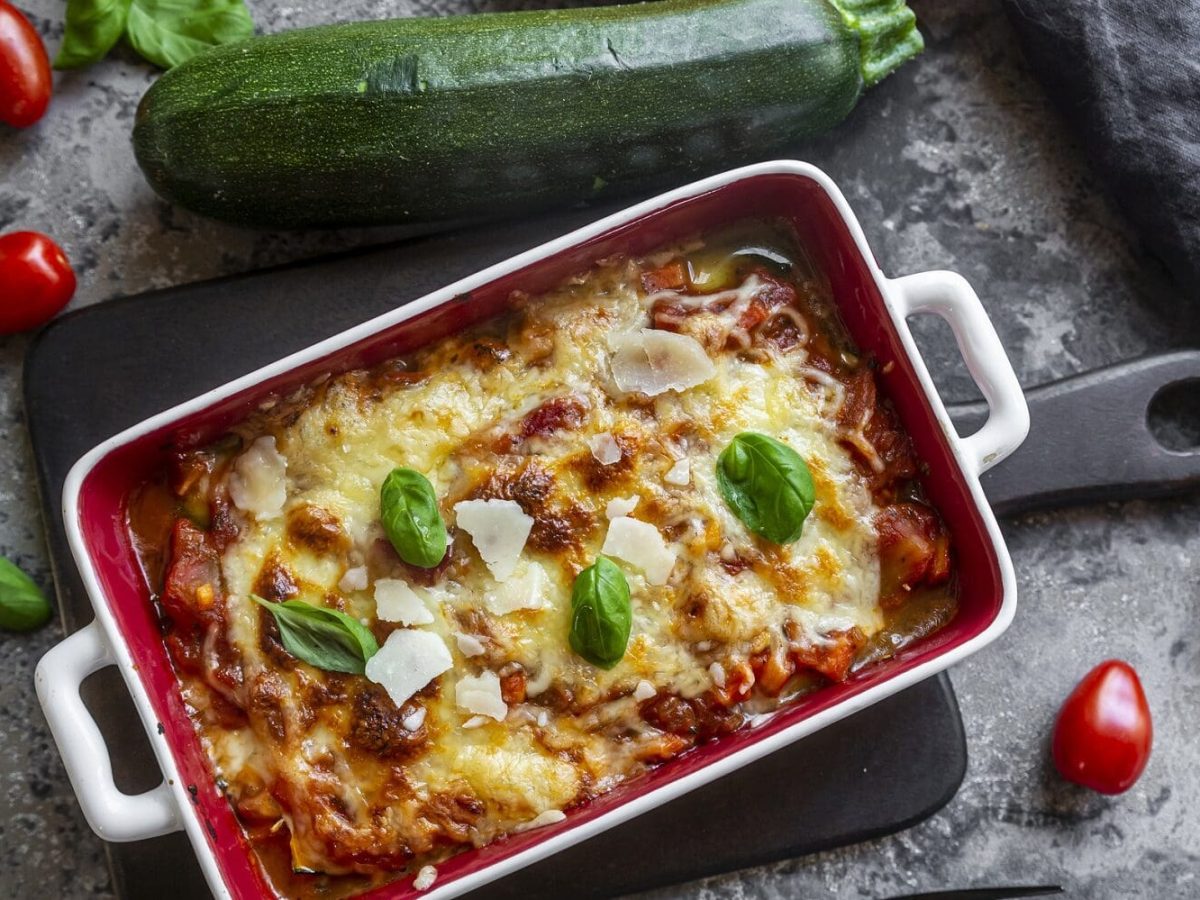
(421, 120)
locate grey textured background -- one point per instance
(956, 162)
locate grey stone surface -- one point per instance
(957, 162)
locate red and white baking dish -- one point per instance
(875, 309)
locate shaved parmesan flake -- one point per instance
(653, 361)
(469, 645)
(414, 719)
(620, 506)
(527, 589)
(680, 473)
(257, 484)
(475, 722)
(605, 449)
(644, 691)
(542, 819)
(426, 876)
(499, 530)
(480, 694)
(407, 661)
(354, 580)
(640, 544)
(395, 601)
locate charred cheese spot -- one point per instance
(487, 352)
(377, 727)
(275, 581)
(562, 529)
(601, 477)
(317, 530)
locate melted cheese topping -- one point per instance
(512, 726)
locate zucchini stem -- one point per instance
(887, 31)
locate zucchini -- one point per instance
(421, 120)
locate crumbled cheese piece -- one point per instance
(542, 819)
(644, 691)
(605, 448)
(407, 661)
(426, 876)
(354, 580)
(728, 552)
(527, 589)
(475, 722)
(640, 544)
(620, 506)
(469, 645)
(717, 674)
(653, 361)
(414, 719)
(257, 484)
(395, 601)
(480, 694)
(540, 681)
(499, 530)
(680, 473)
(543, 718)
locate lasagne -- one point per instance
(587, 422)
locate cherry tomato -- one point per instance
(25, 80)
(1103, 734)
(36, 281)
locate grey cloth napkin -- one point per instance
(1126, 75)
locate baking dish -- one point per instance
(874, 308)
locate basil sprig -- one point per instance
(767, 485)
(23, 606)
(165, 32)
(322, 637)
(601, 615)
(409, 511)
(93, 28)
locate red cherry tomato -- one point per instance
(36, 281)
(25, 81)
(1103, 734)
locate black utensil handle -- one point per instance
(1000, 893)
(1090, 440)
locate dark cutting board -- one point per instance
(101, 369)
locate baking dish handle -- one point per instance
(113, 814)
(948, 295)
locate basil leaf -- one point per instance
(23, 606)
(93, 27)
(170, 32)
(767, 485)
(409, 511)
(601, 615)
(322, 637)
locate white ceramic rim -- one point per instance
(116, 816)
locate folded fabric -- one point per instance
(1126, 76)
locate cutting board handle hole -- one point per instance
(1174, 416)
